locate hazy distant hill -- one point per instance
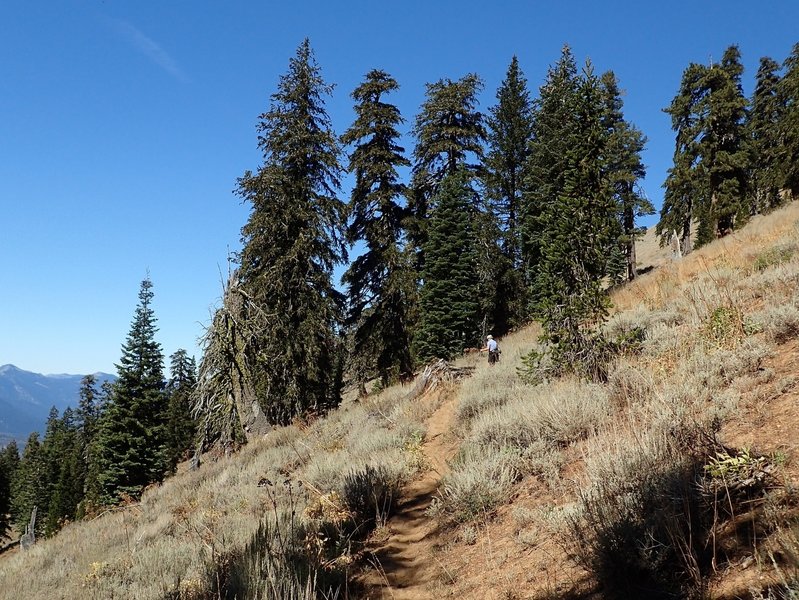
(26, 399)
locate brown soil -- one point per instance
(402, 561)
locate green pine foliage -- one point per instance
(380, 282)
(788, 130)
(181, 423)
(765, 119)
(132, 440)
(509, 130)
(624, 168)
(553, 120)
(449, 303)
(9, 462)
(708, 182)
(30, 487)
(449, 134)
(291, 243)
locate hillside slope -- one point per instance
(547, 491)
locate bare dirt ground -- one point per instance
(403, 562)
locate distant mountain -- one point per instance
(26, 399)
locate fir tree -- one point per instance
(291, 243)
(765, 119)
(132, 439)
(448, 303)
(577, 227)
(9, 462)
(686, 188)
(553, 125)
(30, 487)
(182, 424)
(723, 144)
(624, 168)
(789, 124)
(380, 283)
(449, 134)
(510, 127)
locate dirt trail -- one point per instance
(403, 565)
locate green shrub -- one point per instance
(774, 256)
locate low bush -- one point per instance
(481, 478)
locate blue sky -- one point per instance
(124, 126)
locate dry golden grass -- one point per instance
(713, 320)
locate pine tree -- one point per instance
(291, 243)
(30, 487)
(686, 187)
(765, 119)
(624, 168)
(182, 424)
(510, 129)
(448, 303)
(708, 181)
(132, 440)
(380, 282)
(553, 123)
(789, 124)
(578, 226)
(723, 148)
(449, 134)
(9, 462)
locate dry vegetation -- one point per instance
(678, 478)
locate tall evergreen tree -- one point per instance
(291, 243)
(9, 462)
(449, 134)
(686, 187)
(547, 162)
(577, 224)
(30, 487)
(708, 181)
(723, 144)
(448, 303)
(132, 439)
(624, 168)
(510, 129)
(182, 424)
(789, 124)
(380, 282)
(765, 120)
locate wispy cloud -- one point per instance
(150, 48)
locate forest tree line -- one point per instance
(528, 211)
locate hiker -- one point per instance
(492, 348)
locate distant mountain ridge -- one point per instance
(26, 399)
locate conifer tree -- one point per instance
(624, 168)
(576, 223)
(291, 243)
(723, 144)
(510, 127)
(789, 124)
(29, 487)
(182, 424)
(381, 287)
(449, 134)
(547, 162)
(132, 439)
(708, 181)
(448, 303)
(9, 462)
(686, 188)
(765, 120)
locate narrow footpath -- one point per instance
(404, 566)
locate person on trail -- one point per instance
(492, 348)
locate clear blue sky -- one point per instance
(124, 125)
